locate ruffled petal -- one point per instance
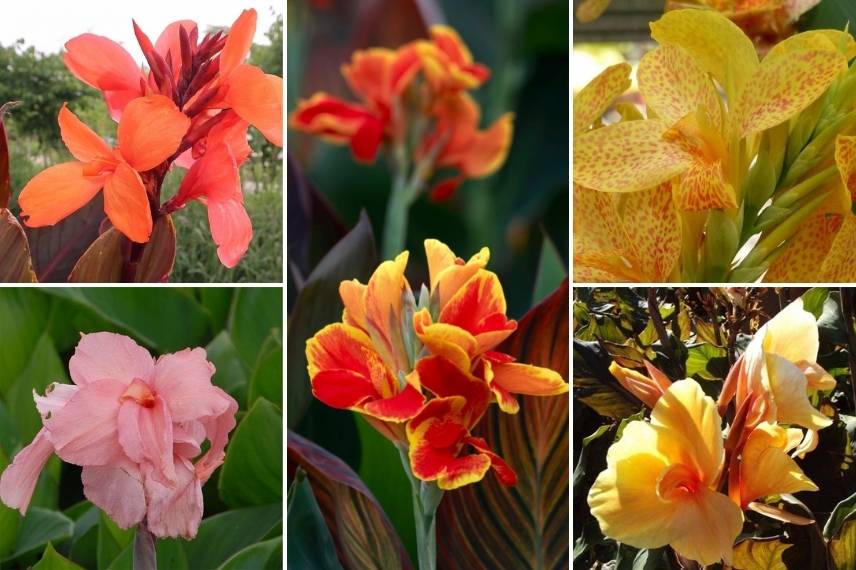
(447, 272)
(398, 408)
(217, 429)
(183, 380)
(449, 341)
(792, 334)
(174, 511)
(479, 308)
(445, 380)
(110, 356)
(705, 187)
(56, 396)
(116, 490)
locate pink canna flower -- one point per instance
(136, 425)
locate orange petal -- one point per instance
(384, 300)
(353, 297)
(369, 74)
(238, 42)
(479, 308)
(448, 41)
(55, 193)
(453, 343)
(127, 205)
(338, 122)
(845, 158)
(447, 272)
(150, 131)
(444, 379)
(83, 143)
(529, 380)
(651, 217)
(704, 187)
(603, 251)
(170, 40)
(257, 98)
(641, 386)
(839, 266)
(338, 347)
(504, 472)
(102, 63)
(596, 97)
(231, 230)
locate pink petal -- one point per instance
(19, 479)
(84, 431)
(187, 438)
(174, 511)
(183, 380)
(169, 42)
(217, 429)
(56, 396)
(145, 435)
(118, 491)
(117, 101)
(109, 356)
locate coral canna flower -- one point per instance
(150, 131)
(136, 425)
(646, 388)
(660, 483)
(441, 431)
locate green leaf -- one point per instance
(217, 301)
(831, 14)
(223, 535)
(260, 556)
(165, 319)
(170, 554)
(708, 362)
(252, 472)
(25, 315)
(309, 541)
(231, 374)
(761, 554)
(39, 527)
(360, 529)
(10, 520)
(112, 540)
(266, 381)
(17, 267)
(596, 387)
(843, 512)
(551, 270)
(44, 368)
(84, 540)
(814, 299)
(535, 443)
(51, 560)
(842, 548)
(257, 311)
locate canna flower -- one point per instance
(470, 306)
(417, 91)
(150, 131)
(423, 384)
(648, 389)
(136, 425)
(823, 247)
(689, 137)
(660, 484)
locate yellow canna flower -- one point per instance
(660, 483)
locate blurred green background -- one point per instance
(241, 330)
(41, 84)
(525, 43)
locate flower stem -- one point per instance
(395, 225)
(145, 557)
(426, 500)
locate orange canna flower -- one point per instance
(419, 86)
(150, 131)
(646, 388)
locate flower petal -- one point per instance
(55, 193)
(174, 511)
(788, 385)
(651, 216)
(504, 472)
(84, 431)
(530, 380)
(447, 272)
(19, 479)
(343, 389)
(353, 297)
(169, 42)
(110, 356)
(116, 490)
(231, 230)
(705, 187)
(792, 334)
(449, 341)
(183, 380)
(101, 63)
(83, 143)
(145, 434)
(217, 429)
(398, 408)
(150, 131)
(627, 157)
(127, 204)
(239, 40)
(596, 97)
(445, 380)
(839, 265)
(56, 396)
(369, 75)
(384, 300)
(257, 98)
(479, 308)
(708, 527)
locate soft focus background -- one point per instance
(34, 75)
(241, 330)
(518, 212)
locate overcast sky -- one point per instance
(48, 24)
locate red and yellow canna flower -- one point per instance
(191, 107)
(425, 384)
(416, 92)
(150, 131)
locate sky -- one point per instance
(48, 24)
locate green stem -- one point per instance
(426, 500)
(395, 226)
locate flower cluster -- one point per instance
(192, 108)
(664, 478)
(423, 372)
(730, 188)
(413, 99)
(136, 425)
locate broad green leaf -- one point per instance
(10, 520)
(256, 311)
(112, 540)
(44, 368)
(309, 542)
(231, 374)
(708, 362)
(813, 300)
(266, 380)
(165, 319)
(51, 560)
(84, 540)
(842, 548)
(16, 266)
(221, 536)
(551, 270)
(760, 554)
(381, 471)
(535, 443)
(217, 301)
(260, 556)
(170, 554)
(252, 472)
(25, 315)
(843, 512)
(39, 527)
(595, 386)
(362, 532)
